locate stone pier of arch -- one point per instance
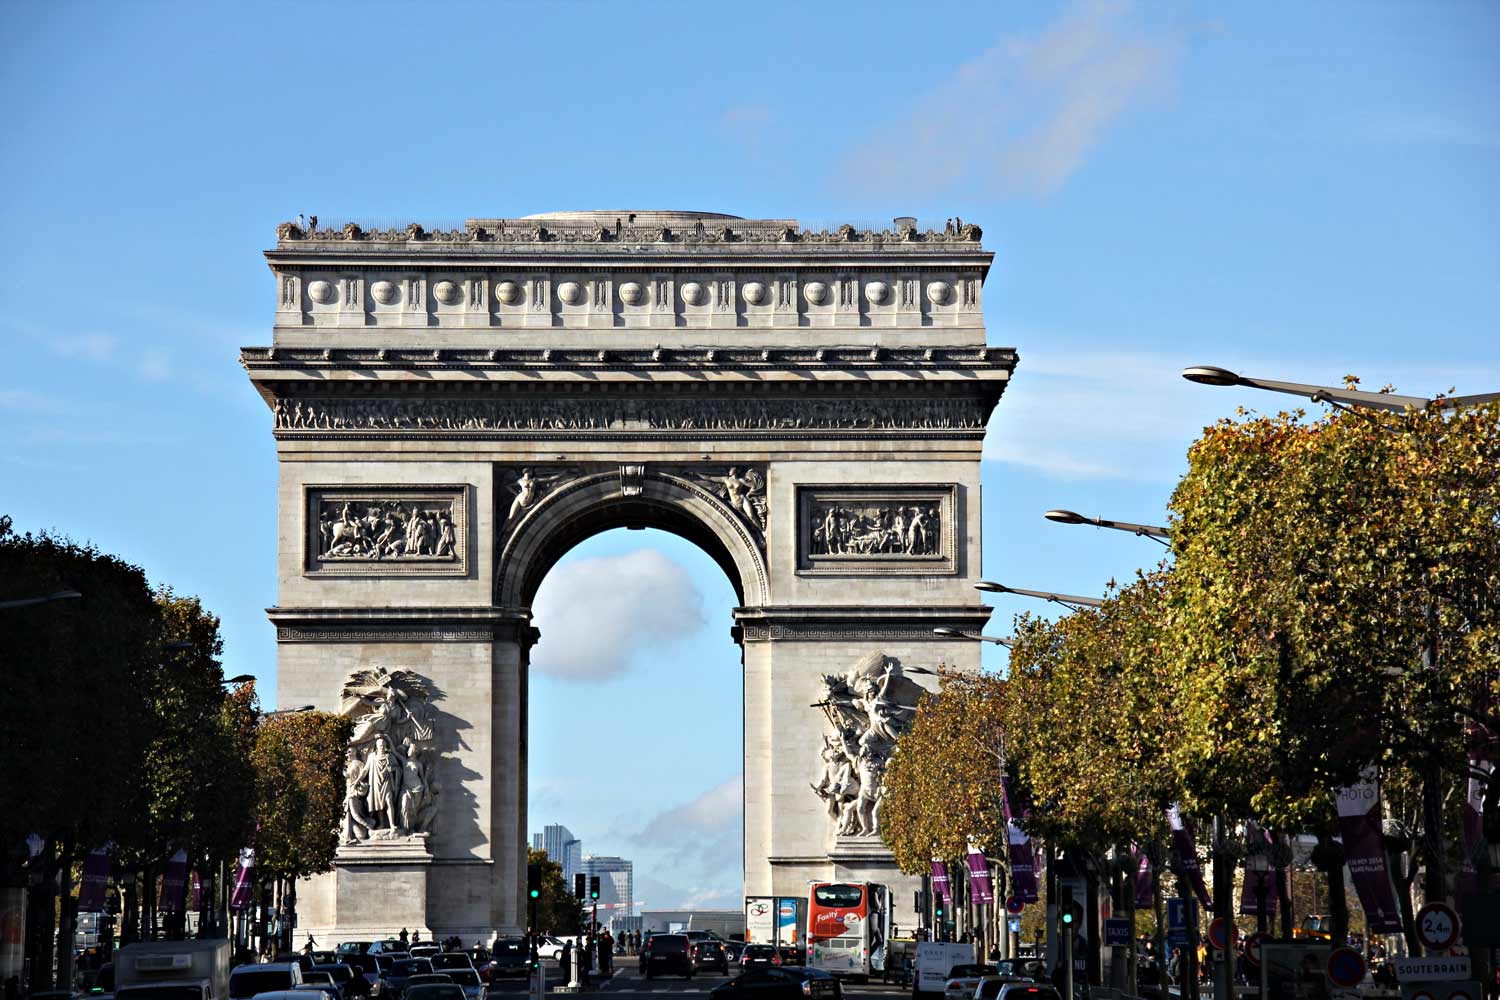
(526, 383)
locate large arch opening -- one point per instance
(635, 715)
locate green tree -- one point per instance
(942, 785)
(558, 910)
(299, 760)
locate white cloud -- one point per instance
(1023, 115)
(596, 614)
(98, 347)
(699, 841)
(155, 367)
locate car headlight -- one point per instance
(807, 987)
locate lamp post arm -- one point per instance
(1154, 531)
(1069, 599)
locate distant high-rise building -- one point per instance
(561, 846)
(616, 888)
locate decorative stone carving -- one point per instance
(869, 708)
(570, 292)
(508, 292)
(938, 292)
(742, 488)
(391, 767)
(755, 293)
(693, 293)
(877, 292)
(862, 530)
(631, 293)
(527, 488)
(401, 530)
(447, 292)
(816, 292)
(630, 480)
(320, 291)
(384, 292)
(544, 415)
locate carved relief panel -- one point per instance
(387, 531)
(868, 530)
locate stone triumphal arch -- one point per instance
(453, 410)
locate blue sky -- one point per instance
(1295, 190)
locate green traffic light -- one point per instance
(1067, 918)
(536, 893)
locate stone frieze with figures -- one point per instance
(387, 530)
(866, 530)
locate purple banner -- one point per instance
(1258, 890)
(981, 886)
(940, 882)
(95, 878)
(174, 884)
(1022, 864)
(1144, 898)
(197, 892)
(243, 896)
(1364, 852)
(1471, 829)
(1185, 850)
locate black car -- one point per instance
(779, 983)
(510, 957)
(668, 954)
(393, 980)
(710, 954)
(351, 984)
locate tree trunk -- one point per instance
(1158, 908)
(130, 918)
(1284, 900)
(68, 912)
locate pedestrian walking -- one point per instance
(307, 949)
(403, 936)
(567, 960)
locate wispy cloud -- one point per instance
(1024, 114)
(595, 615)
(155, 367)
(702, 837)
(97, 347)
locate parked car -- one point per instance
(354, 947)
(424, 949)
(323, 957)
(351, 983)
(710, 954)
(964, 979)
(251, 980)
(667, 954)
(550, 947)
(759, 955)
(509, 957)
(470, 981)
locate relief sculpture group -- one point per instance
(389, 773)
(386, 529)
(881, 528)
(870, 706)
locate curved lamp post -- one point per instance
(1214, 375)
(59, 595)
(953, 633)
(1151, 531)
(1067, 600)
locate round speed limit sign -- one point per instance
(1437, 926)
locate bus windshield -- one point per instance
(838, 895)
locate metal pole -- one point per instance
(1224, 903)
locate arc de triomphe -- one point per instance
(454, 410)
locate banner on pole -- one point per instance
(95, 878)
(1364, 852)
(981, 886)
(1144, 898)
(243, 896)
(1186, 852)
(173, 884)
(940, 881)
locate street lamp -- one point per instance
(1067, 600)
(1214, 375)
(1151, 531)
(288, 711)
(60, 595)
(953, 633)
(238, 679)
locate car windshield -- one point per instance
(510, 948)
(1014, 967)
(247, 984)
(970, 971)
(338, 973)
(435, 991)
(838, 895)
(451, 961)
(464, 977)
(411, 967)
(159, 993)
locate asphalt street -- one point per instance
(628, 983)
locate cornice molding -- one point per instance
(903, 623)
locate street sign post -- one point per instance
(1252, 948)
(1437, 926)
(1116, 931)
(1014, 905)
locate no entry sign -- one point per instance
(1014, 904)
(1346, 968)
(1220, 933)
(1252, 948)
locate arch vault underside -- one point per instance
(454, 411)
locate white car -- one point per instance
(550, 947)
(963, 980)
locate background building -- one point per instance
(561, 846)
(616, 888)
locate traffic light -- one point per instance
(534, 881)
(578, 885)
(593, 887)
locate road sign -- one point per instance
(1015, 925)
(1437, 926)
(1252, 948)
(1116, 931)
(1346, 968)
(1220, 933)
(1434, 968)
(1014, 904)
(1421, 995)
